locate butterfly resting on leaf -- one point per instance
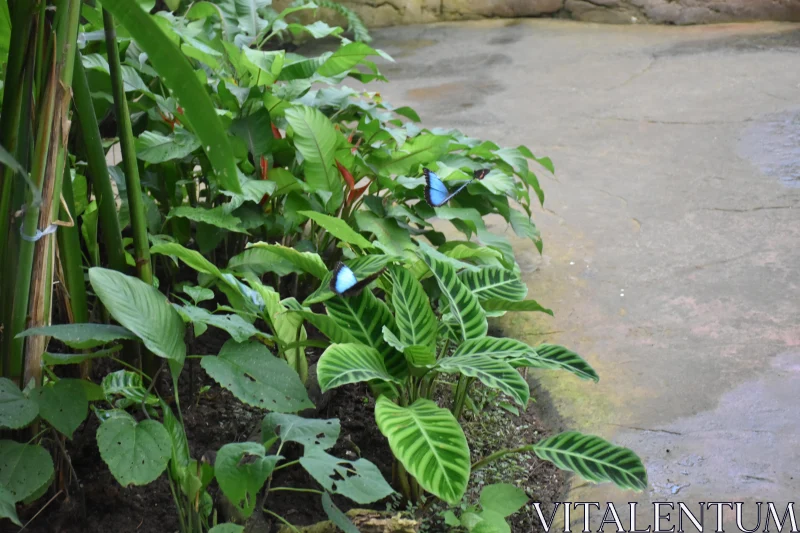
(436, 192)
(345, 283)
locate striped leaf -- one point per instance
(463, 304)
(494, 283)
(419, 358)
(594, 459)
(566, 359)
(364, 316)
(341, 364)
(416, 322)
(430, 444)
(493, 373)
(499, 304)
(325, 324)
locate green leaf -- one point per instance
(247, 15)
(242, 469)
(345, 58)
(256, 130)
(463, 304)
(566, 359)
(8, 509)
(63, 405)
(360, 480)
(192, 258)
(8, 160)
(341, 364)
(227, 527)
(143, 310)
(338, 228)
(259, 261)
(16, 410)
(416, 323)
(238, 328)
(305, 261)
(493, 373)
(154, 147)
(81, 336)
(197, 294)
(135, 452)
(417, 151)
(497, 304)
(325, 324)
(362, 267)
(75, 358)
(512, 351)
(316, 139)
(503, 498)
(217, 217)
(336, 516)
(364, 316)
(594, 459)
(491, 522)
(128, 385)
(309, 432)
(25, 469)
(430, 444)
(179, 76)
(494, 283)
(264, 67)
(257, 377)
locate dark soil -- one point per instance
(98, 504)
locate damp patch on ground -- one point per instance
(772, 144)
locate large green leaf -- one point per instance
(257, 377)
(494, 283)
(345, 58)
(325, 324)
(430, 444)
(316, 139)
(63, 404)
(564, 358)
(241, 469)
(135, 452)
(503, 498)
(143, 310)
(463, 304)
(16, 410)
(305, 261)
(341, 364)
(25, 469)
(512, 351)
(359, 480)
(217, 217)
(497, 304)
(81, 336)
(309, 432)
(338, 228)
(238, 328)
(364, 316)
(259, 261)
(416, 323)
(8, 508)
(493, 373)
(153, 147)
(594, 459)
(417, 151)
(192, 258)
(179, 76)
(247, 15)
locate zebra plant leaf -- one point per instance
(493, 373)
(463, 304)
(430, 444)
(341, 364)
(415, 320)
(594, 459)
(494, 283)
(364, 316)
(563, 358)
(499, 304)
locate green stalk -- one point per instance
(69, 250)
(489, 459)
(15, 363)
(136, 205)
(98, 168)
(461, 395)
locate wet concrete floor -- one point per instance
(672, 243)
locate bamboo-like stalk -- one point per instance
(133, 184)
(69, 251)
(98, 169)
(40, 307)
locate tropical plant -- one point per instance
(497, 502)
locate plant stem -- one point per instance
(293, 489)
(489, 459)
(284, 465)
(461, 395)
(282, 519)
(133, 184)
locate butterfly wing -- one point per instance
(343, 279)
(435, 190)
(480, 173)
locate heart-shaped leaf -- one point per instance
(135, 452)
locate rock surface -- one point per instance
(391, 12)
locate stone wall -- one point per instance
(390, 12)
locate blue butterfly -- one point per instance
(345, 283)
(436, 192)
